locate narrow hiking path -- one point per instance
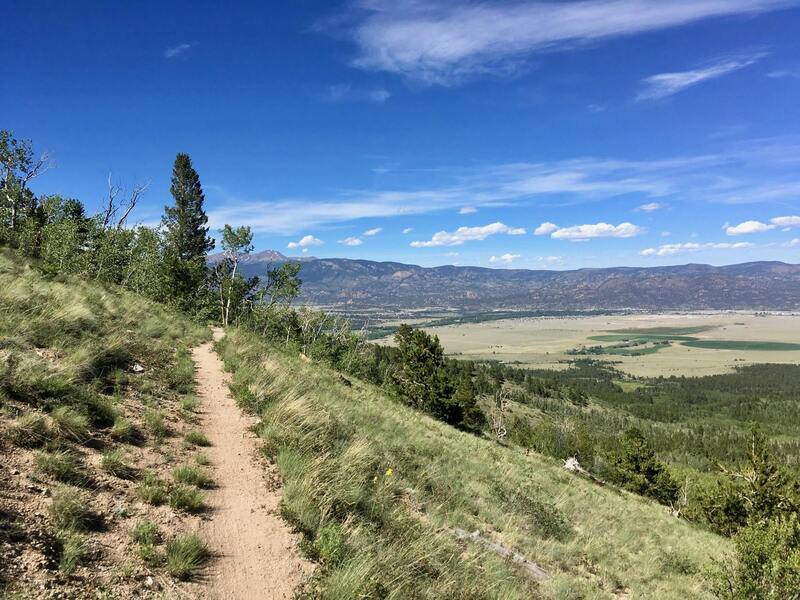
(256, 554)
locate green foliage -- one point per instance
(187, 239)
(69, 424)
(63, 465)
(69, 510)
(197, 438)
(186, 497)
(73, 550)
(155, 424)
(124, 431)
(185, 555)
(29, 431)
(146, 533)
(113, 462)
(637, 469)
(756, 491)
(181, 374)
(191, 475)
(765, 564)
(152, 489)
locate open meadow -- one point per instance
(648, 345)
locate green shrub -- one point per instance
(146, 533)
(73, 549)
(181, 375)
(197, 438)
(101, 410)
(189, 404)
(113, 462)
(29, 431)
(154, 423)
(636, 469)
(765, 564)
(152, 489)
(186, 497)
(69, 510)
(192, 475)
(330, 544)
(70, 424)
(63, 465)
(201, 458)
(124, 431)
(185, 554)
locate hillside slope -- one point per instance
(95, 398)
(365, 284)
(380, 491)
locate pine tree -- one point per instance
(186, 234)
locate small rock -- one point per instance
(137, 368)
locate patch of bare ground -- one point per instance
(256, 554)
(109, 563)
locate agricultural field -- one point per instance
(642, 345)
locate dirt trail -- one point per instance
(256, 553)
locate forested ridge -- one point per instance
(721, 452)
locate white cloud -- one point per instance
(545, 228)
(176, 51)
(407, 230)
(650, 206)
(748, 227)
(582, 233)
(795, 243)
(373, 231)
(667, 84)
(466, 234)
(443, 42)
(351, 241)
(452, 254)
(344, 92)
(550, 260)
(506, 258)
(467, 210)
(784, 74)
(687, 247)
(517, 231)
(790, 221)
(305, 242)
(735, 176)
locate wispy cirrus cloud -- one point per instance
(759, 171)
(444, 42)
(650, 207)
(373, 231)
(687, 247)
(662, 85)
(467, 234)
(345, 92)
(176, 51)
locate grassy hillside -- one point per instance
(95, 394)
(379, 491)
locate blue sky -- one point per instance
(510, 134)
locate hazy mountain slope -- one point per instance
(386, 285)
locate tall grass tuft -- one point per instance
(29, 431)
(64, 465)
(185, 555)
(70, 425)
(69, 510)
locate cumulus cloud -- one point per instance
(748, 227)
(650, 206)
(467, 234)
(305, 242)
(789, 221)
(545, 228)
(582, 233)
(506, 258)
(351, 241)
(373, 231)
(176, 51)
(443, 42)
(673, 249)
(666, 84)
(467, 210)
(795, 243)
(407, 230)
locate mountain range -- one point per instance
(367, 285)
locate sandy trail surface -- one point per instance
(255, 553)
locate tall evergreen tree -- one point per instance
(187, 236)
